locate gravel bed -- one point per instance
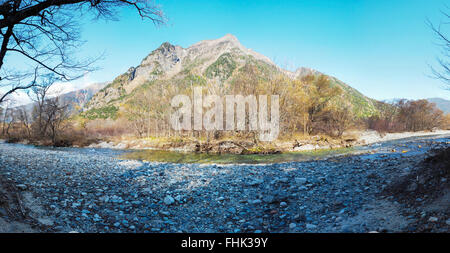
(89, 190)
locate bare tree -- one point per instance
(419, 115)
(441, 33)
(321, 93)
(44, 34)
(39, 97)
(1, 115)
(24, 118)
(6, 115)
(10, 119)
(342, 120)
(54, 115)
(49, 112)
(138, 113)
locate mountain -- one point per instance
(218, 61)
(76, 99)
(441, 103)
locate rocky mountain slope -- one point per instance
(76, 99)
(209, 61)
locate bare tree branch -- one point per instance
(45, 33)
(443, 72)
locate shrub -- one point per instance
(107, 112)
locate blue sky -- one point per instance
(380, 47)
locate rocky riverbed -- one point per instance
(91, 190)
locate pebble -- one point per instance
(255, 202)
(311, 226)
(433, 219)
(168, 200)
(21, 187)
(300, 180)
(255, 182)
(75, 204)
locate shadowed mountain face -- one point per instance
(210, 61)
(441, 103)
(76, 99)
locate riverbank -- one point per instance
(89, 190)
(243, 147)
(312, 143)
(370, 137)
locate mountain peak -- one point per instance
(165, 47)
(229, 37)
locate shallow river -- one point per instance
(183, 157)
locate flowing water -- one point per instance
(183, 157)
(186, 157)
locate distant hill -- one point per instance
(441, 103)
(76, 99)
